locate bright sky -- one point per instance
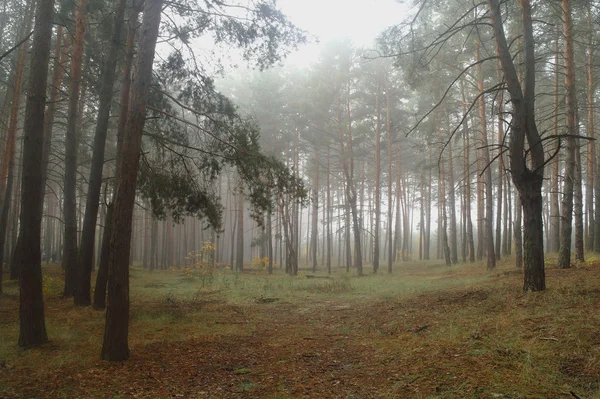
(359, 20)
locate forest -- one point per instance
(206, 198)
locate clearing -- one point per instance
(427, 331)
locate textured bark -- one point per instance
(88, 235)
(528, 181)
(102, 275)
(70, 183)
(32, 331)
(115, 345)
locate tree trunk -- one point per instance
(377, 183)
(564, 257)
(239, 252)
(555, 222)
(528, 182)
(70, 184)
(489, 200)
(102, 275)
(32, 330)
(452, 205)
(115, 346)
(8, 156)
(315, 213)
(88, 235)
(467, 168)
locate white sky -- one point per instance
(359, 20)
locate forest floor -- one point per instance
(426, 331)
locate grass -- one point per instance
(426, 331)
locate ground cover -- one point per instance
(427, 331)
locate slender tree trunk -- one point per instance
(467, 168)
(115, 346)
(315, 214)
(452, 205)
(86, 251)
(377, 182)
(32, 331)
(239, 252)
(388, 126)
(564, 257)
(555, 222)
(8, 156)
(489, 200)
(70, 184)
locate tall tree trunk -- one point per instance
(239, 252)
(115, 345)
(86, 251)
(555, 222)
(315, 214)
(388, 126)
(102, 275)
(377, 182)
(329, 214)
(70, 184)
(452, 205)
(564, 256)
(528, 181)
(467, 167)
(8, 156)
(489, 200)
(32, 331)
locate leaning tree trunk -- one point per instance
(32, 330)
(88, 234)
(115, 345)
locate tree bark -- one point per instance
(564, 256)
(8, 157)
(86, 250)
(70, 183)
(115, 345)
(528, 181)
(32, 331)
